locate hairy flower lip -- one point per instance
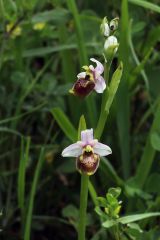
(82, 87)
(87, 163)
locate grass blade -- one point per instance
(130, 219)
(137, 217)
(24, 156)
(146, 4)
(149, 152)
(123, 111)
(80, 39)
(27, 232)
(64, 124)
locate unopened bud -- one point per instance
(110, 47)
(104, 28)
(114, 24)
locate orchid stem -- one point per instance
(83, 206)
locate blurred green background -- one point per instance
(43, 45)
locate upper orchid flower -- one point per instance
(87, 151)
(89, 79)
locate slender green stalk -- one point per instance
(123, 99)
(27, 232)
(2, 10)
(84, 191)
(21, 176)
(93, 193)
(83, 206)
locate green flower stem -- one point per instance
(108, 98)
(83, 206)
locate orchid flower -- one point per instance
(87, 152)
(89, 80)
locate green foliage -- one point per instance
(111, 204)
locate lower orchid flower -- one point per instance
(87, 152)
(89, 80)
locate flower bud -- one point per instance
(114, 24)
(104, 28)
(110, 47)
(82, 87)
(88, 163)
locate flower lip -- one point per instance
(82, 87)
(87, 163)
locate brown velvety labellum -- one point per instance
(88, 163)
(83, 87)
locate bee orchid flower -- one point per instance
(87, 152)
(89, 80)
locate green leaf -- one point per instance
(64, 124)
(149, 152)
(151, 183)
(58, 15)
(114, 86)
(100, 212)
(108, 102)
(155, 141)
(35, 52)
(134, 226)
(111, 200)
(137, 217)
(129, 219)
(109, 223)
(152, 38)
(146, 4)
(102, 202)
(115, 192)
(70, 211)
(11, 131)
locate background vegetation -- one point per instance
(43, 45)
